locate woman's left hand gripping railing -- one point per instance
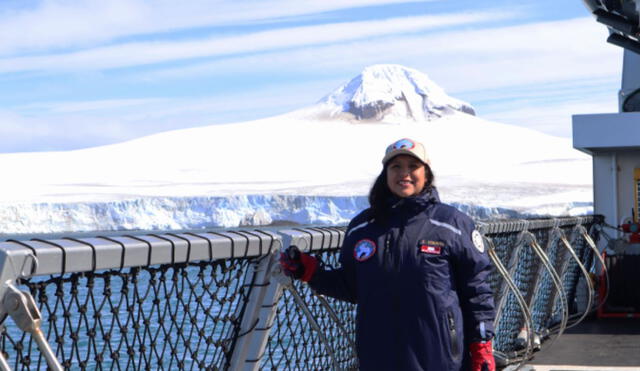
(20, 262)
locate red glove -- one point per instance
(482, 357)
(297, 264)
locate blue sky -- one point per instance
(81, 73)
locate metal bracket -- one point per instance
(21, 306)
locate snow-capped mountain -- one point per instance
(392, 92)
(311, 166)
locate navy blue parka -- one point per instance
(420, 285)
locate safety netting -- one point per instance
(545, 265)
(183, 316)
(193, 315)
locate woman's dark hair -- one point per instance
(380, 194)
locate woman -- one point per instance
(418, 271)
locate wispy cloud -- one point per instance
(546, 107)
(65, 125)
(459, 61)
(41, 133)
(85, 106)
(556, 118)
(55, 24)
(142, 53)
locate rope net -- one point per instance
(197, 315)
(184, 316)
(533, 277)
(520, 264)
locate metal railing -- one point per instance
(217, 300)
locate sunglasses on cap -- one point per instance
(401, 144)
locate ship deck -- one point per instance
(597, 344)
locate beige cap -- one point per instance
(406, 146)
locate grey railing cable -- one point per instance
(582, 231)
(519, 299)
(556, 281)
(585, 274)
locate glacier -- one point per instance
(178, 213)
(192, 213)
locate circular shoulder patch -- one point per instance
(364, 250)
(476, 237)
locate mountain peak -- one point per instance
(389, 91)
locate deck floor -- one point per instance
(594, 345)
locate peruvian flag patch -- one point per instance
(431, 247)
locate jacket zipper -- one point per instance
(453, 334)
(387, 252)
(395, 301)
(398, 253)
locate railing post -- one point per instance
(22, 308)
(262, 307)
(259, 313)
(15, 262)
